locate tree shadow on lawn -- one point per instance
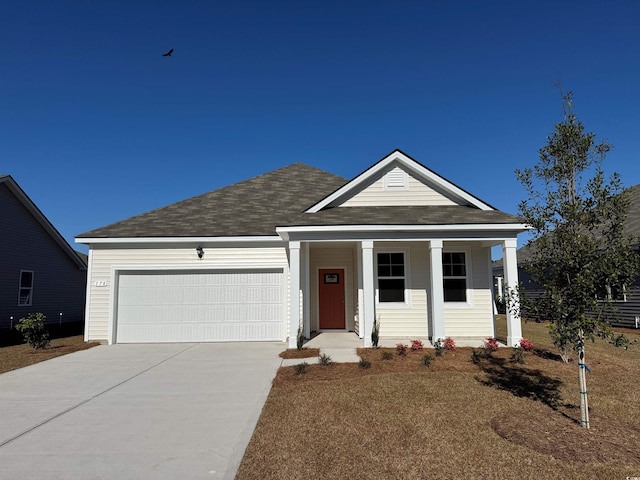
(523, 382)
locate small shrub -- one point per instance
(439, 347)
(501, 305)
(526, 345)
(449, 344)
(34, 331)
(387, 355)
(427, 360)
(518, 355)
(301, 368)
(364, 364)
(417, 345)
(325, 360)
(300, 338)
(476, 356)
(375, 333)
(402, 349)
(490, 345)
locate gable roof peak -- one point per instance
(412, 166)
(35, 212)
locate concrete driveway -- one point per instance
(169, 411)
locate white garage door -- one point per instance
(188, 306)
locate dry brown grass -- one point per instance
(454, 419)
(18, 356)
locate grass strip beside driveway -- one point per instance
(18, 356)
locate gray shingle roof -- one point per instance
(255, 207)
(406, 215)
(249, 208)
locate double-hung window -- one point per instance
(454, 272)
(25, 290)
(391, 277)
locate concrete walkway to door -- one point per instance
(167, 411)
(340, 346)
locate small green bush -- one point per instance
(476, 356)
(364, 364)
(439, 347)
(325, 360)
(34, 331)
(375, 333)
(387, 355)
(300, 338)
(501, 305)
(518, 355)
(301, 368)
(427, 360)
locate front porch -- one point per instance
(427, 289)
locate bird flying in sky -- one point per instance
(168, 54)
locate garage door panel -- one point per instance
(200, 306)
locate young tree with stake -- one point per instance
(579, 252)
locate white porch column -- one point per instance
(510, 268)
(500, 291)
(306, 294)
(368, 292)
(437, 291)
(294, 300)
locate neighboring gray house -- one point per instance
(299, 247)
(39, 271)
(627, 304)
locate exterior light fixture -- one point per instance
(200, 252)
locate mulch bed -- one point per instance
(304, 353)
(610, 441)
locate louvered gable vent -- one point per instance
(396, 179)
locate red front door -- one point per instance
(331, 298)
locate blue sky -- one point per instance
(96, 126)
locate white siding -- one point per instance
(410, 321)
(416, 193)
(334, 257)
(476, 319)
(106, 259)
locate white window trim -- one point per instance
(407, 278)
(20, 288)
(468, 277)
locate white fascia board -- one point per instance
(491, 232)
(178, 240)
(520, 227)
(412, 166)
